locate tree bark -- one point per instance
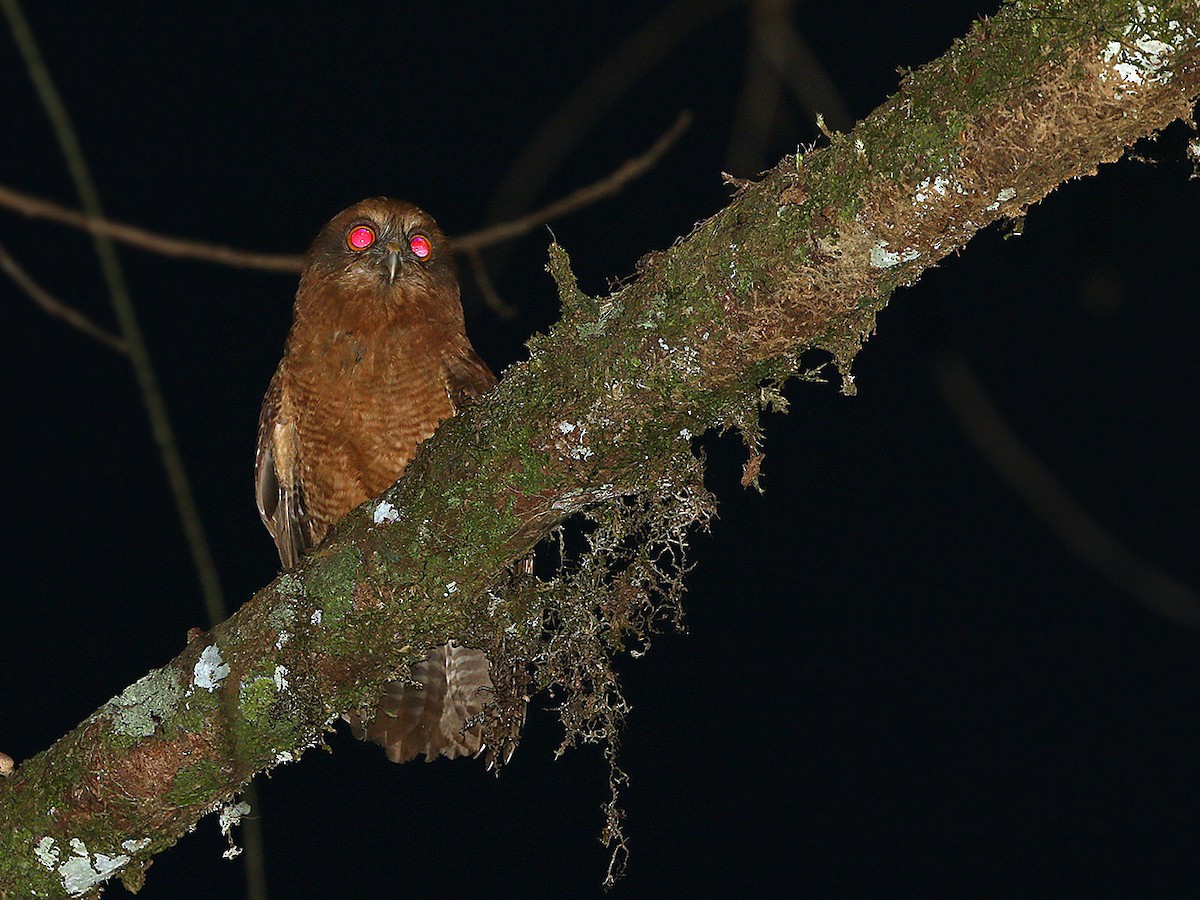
(605, 409)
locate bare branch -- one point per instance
(607, 82)
(483, 281)
(39, 208)
(796, 64)
(1047, 499)
(123, 306)
(161, 429)
(629, 170)
(57, 308)
(757, 110)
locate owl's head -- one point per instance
(385, 248)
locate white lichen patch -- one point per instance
(138, 709)
(210, 669)
(1139, 56)
(931, 189)
(451, 588)
(46, 852)
(1139, 65)
(883, 258)
(576, 446)
(684, 357)
(232, 815)
(281, 682)
(284, 637)
(133, 846)
(81, 871)
(930, 186)
(315, 618)
(1003, 196)
(384, 513)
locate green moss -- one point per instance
(536, 469)
(197, 783)
(331, 586)
(257, 695)
(282, 616)
(569, 294)
(193, 715)
(289, 587)
(265, 726)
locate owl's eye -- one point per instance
(360, 237)
(420, 246)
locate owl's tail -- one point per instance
(440, 712)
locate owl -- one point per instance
(376, 357)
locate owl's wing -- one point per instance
(467, 375)
(278, 486)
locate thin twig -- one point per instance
(795, 63)
(1045, 496)
(628, 171)
(758, 105)
(139, 356)
(40, 208)
(605, 84)
(54, 307)
(483, 281)
(779, 56)
(123, 305)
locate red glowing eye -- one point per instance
(420, 246)
(360, 237)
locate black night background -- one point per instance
(897, 679)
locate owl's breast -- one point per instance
(365, 405)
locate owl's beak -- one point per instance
(391, 260)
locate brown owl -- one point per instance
(376, 357)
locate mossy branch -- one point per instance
(600, 419)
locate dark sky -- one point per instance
(896, 682)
